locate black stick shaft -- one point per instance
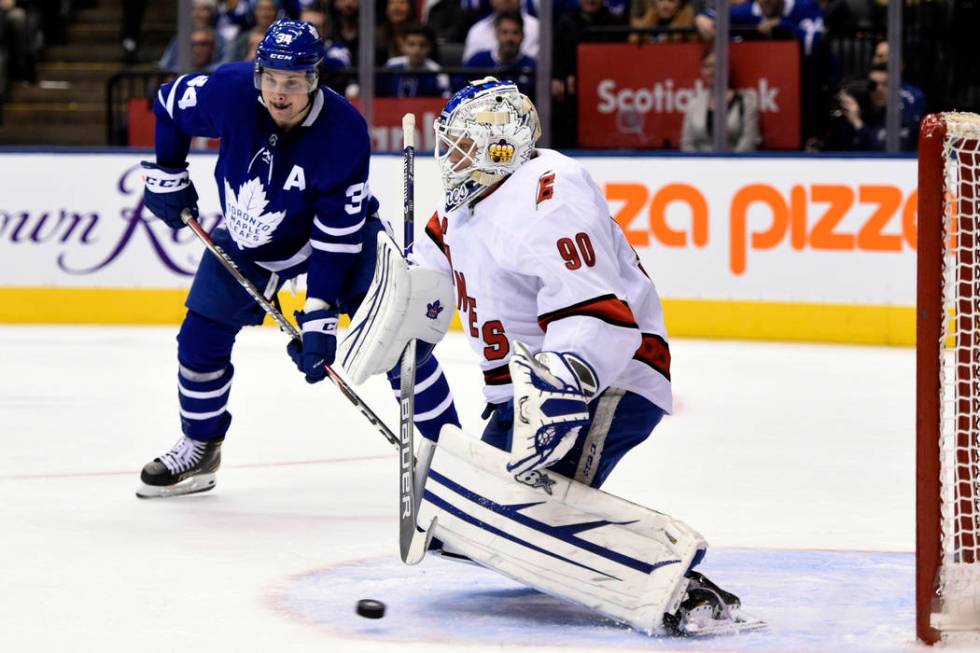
(407, 501)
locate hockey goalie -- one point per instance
(576, 370)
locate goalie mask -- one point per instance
(486, 132)
(290, 45)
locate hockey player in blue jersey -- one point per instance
(292, 176)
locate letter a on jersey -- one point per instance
(296, 179)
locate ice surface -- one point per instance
(795, 461)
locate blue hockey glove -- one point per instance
(551, 406)
(319, 327)
(168, 192)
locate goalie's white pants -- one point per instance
(557, 535)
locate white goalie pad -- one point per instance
(404, 302)
(559, 536)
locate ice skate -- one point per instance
(709, 610)
(189, 467)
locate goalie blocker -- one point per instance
(572, 541)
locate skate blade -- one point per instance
(714, 627)
(193, 485)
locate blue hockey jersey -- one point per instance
(291, 200)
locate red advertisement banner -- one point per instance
(634, 96)
(386, 133)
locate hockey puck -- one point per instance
(370, 609)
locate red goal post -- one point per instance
(948, 379)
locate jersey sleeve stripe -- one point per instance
(338, 231)
(608, 308)
(169, 104)
(497, 376)
(337, 248)
(655, 353)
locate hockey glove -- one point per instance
(551, 395)
(319, 326)
(168, 192)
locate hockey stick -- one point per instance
(283, 323)
(412, 540)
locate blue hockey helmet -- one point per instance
(290, 45)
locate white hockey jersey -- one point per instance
(541, 261)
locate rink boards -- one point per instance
(760, 247)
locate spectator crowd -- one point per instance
(26, 26)
(430, 48)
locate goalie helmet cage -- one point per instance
(948, 379)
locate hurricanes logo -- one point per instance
(501, 152)
(432, 310)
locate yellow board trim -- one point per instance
(693, 318)
(784, 321)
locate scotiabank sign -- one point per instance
(635, 96)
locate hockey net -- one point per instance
(948, 378)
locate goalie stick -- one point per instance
(412, 540)
(283, 323)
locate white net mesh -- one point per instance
(959, 576)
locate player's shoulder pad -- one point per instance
(337, 108)
(341, 124)
(231, 80)
(231, 83)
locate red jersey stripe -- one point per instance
(654, 352)
(497, 376)
(608, 308)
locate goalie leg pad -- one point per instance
(559, 536)
(403, 303)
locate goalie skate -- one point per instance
(709, 610)
(189, 467)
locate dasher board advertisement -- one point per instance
(738, 247)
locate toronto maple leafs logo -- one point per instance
(535, 479)
(432, 310)
(247, 222)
